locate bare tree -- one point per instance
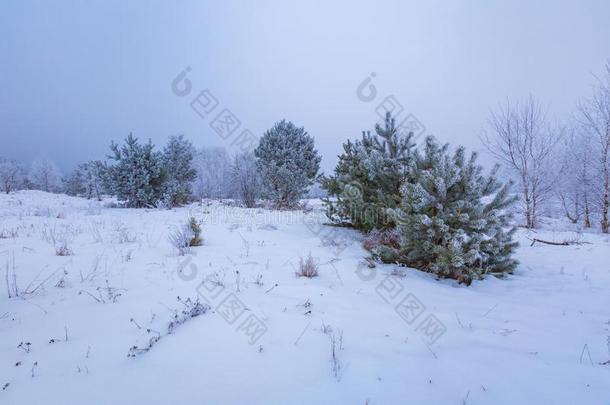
(246, 179)
(213, 173)
(45, 175)
(576, 171)
(11, 174)
(523, 140)
(595, 119)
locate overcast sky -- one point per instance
(75, 75)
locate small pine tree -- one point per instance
(179, 172)
(86, 180)
(287, 162)
(368, 176)
(74, 183)
(453, 220)
(195, 228)
(137, 176)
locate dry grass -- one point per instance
(308, 267)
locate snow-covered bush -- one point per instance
(192, 309)
(287, 162)
(195, 227)
(383, 244)
(186, 236)
(180, 239)
(137, 175)
(308, 267)
(367, 177)
(246, 178)
(452, 220)
(60, 237)
(179, 172)
(123, 234)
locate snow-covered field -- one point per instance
(540, 336)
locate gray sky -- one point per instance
(75, 75)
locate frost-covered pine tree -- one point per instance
(137, 176)
(86, 180)
(74, 183)
(179, 172)
(453, 220)
(368, 176)
(287, 162)
(11, 175)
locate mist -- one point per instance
(77, 75)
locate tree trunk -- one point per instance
(606, 202)
(587, 212)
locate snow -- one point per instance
(538, 336)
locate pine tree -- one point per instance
(179, 172)
(287, 162)
(368, 176)
(86, 180)
(453, 220)
(74, 183)
(137, 176)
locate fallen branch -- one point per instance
(563, 243)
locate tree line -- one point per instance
(281, 170)
(427, 206)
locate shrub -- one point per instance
(195, 227)
(63, 250)
(383, 245)
(187, 236)
(308, 267)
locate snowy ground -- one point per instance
(539, 336)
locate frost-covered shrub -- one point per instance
(180, 239)
(383, 244)
(287, 162)
(367, 178)
(123, 235)
(60, 238)
(187, 236)
(308, 267)
(63, 249)
(452, 219)
(9, 233)
(195, 227)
